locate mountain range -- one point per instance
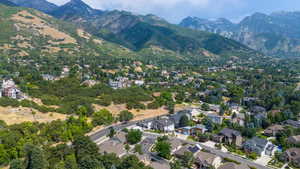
(144, 36)
(275, 34)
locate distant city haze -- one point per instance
(176, 10)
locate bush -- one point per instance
(134, 136)
(102, 117)
(125, 116)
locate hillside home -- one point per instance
(206, 160)
(192, 131)
(9, 89)
(215, 118)
(292, 156)
(114, 145)
(273, 130)
(229, 136)
(259, 146)
(187, 148)
(231, 165)
(119, 83)
(294, 140)
(163, 125)
(292, 123)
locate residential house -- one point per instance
(215, 118)
(114, 145)
(176, 144)
(9, 89)
(231, 165)
(235, 108)
(119, 83)
(239, 119)
(192, 131)
(292, 156)
(139, 82)
(206, 160)
(259, 146)
(48, 77)
(146, 144)
(229, 136)
(160, 165)
(294, 140)
(215, 108)
(177, 116)
(273, 130)
(163, 125)
(292, 123)
(257, 109)
(258, 119)
(187, 148)
(89, 83)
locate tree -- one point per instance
(60, 165)
(16, 164)
(127, 147)
(132, 162)
(89, 162)
(184, 121)
(4, 156)
(134, 136)
(175, 165)
(112, 132)
(205, 107)
(102, 117)
(188, 159)
(35, 157)
(70, 162)
(125, 116)
(83, 146)
(138, 149)
(163, 148)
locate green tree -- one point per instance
(163, 148)
(138, 149)
(188, 159)
(17, 164)
(70, 162)
(134, 136)
(175, 165)
(89, 162)
(111, 133)
(102, 117)
(205, 107)
(35, 157)
(125, 116)
(60, 165)
(184, 121)
(4, 156)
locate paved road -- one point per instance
(98, 135)
(118, 127)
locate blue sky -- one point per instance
(175, 10)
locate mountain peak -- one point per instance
(75, 8)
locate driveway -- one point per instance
(263, 160)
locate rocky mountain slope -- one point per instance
(108, 34)
(41, 5)
(7, 2)
(139, 32)
(274, 34)
(30, 34)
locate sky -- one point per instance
(175, 10)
